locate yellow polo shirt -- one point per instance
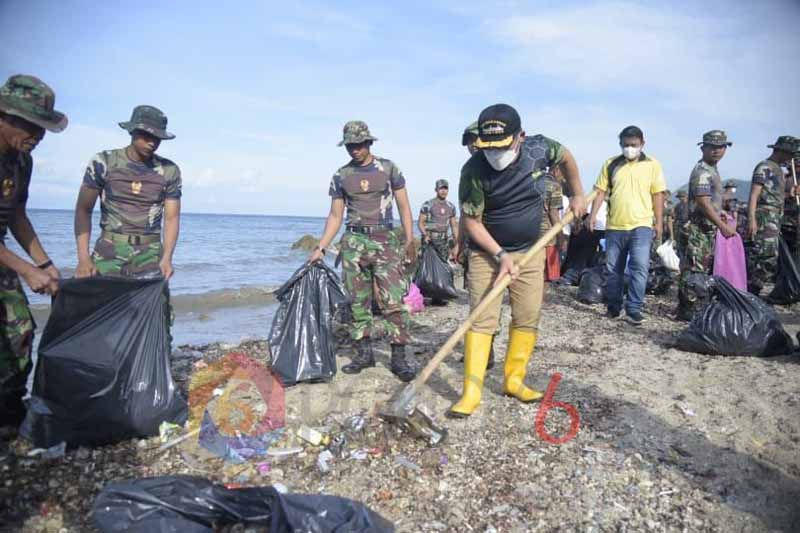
(633, 185)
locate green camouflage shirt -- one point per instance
(704, 181)
(15, 173)
(367, 191)
(769, 175)
(438, 214)
(132, 193)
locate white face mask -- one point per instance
(499, 158)
(631, 152)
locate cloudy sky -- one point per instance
(257, 92)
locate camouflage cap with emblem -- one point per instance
(33, 100)
(681, 194)
(730, 184)
(148, 119)
(354, 132)
(442, 183)
(470, 134)
(497, 125)
(715, 138)
(786, 143)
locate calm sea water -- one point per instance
(225, 269)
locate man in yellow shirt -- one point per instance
(634, 185)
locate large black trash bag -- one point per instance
(592, 287)
(301, 340)
(694, 294)
(103, 371)
(659, 279)
(787, 279)
(434, 277)
(186, 504)
(735, 323)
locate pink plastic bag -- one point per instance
(414, 299)
(729, 260)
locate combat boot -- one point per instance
(364, 357)
(399, 365)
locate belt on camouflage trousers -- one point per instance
(370, 230)
(130, 239)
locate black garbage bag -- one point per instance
(186, 504)
(103, 371)
(592, 287)
(659, 279)
(787, 279)
(434, 277)
(694, 294)
(735, 323)
(301, 340)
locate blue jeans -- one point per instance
(620, 245)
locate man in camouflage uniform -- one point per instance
(705, 205)
(680, 215)
(553, 201)
(26, 111)
(435, 217)
(138, 190)
(371, 248)
(765, 214)
(790, 229)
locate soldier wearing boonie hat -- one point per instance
(26, 111)
(503, 223)
(137, 189)
(765, 214)
(372, 250)
(435, 217)
(705, 207)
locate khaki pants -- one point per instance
(525, 292)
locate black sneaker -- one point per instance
(613, 314)
(635, 318)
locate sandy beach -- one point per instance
(667, 441)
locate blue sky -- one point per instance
(257, 92)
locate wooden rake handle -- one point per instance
(496, 292)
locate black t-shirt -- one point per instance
(510, 202)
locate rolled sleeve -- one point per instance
(425, 209)
(761, 175)
(175, 186)
(701, 184)
(396, 178)
(471, 197)
(335, 189)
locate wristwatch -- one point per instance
(499, 255)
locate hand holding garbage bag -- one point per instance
(434, 277)
(735, 323)
(301, 339)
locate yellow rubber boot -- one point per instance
(520, 349)
(476, 354)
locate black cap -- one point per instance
(497, 125)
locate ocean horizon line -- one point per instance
(64, 210)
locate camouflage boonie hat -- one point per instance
(730, 184)
(356, 131)
(681, 194)
(715, 138)
(787, 143)
(469, 131)
(32, 99)
(442, 183)
(148, 119)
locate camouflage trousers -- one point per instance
(121, 259)
(378, 258)
(698, 251)
(16, 343)
(441, 244)
(126, 260)
(762, 250)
